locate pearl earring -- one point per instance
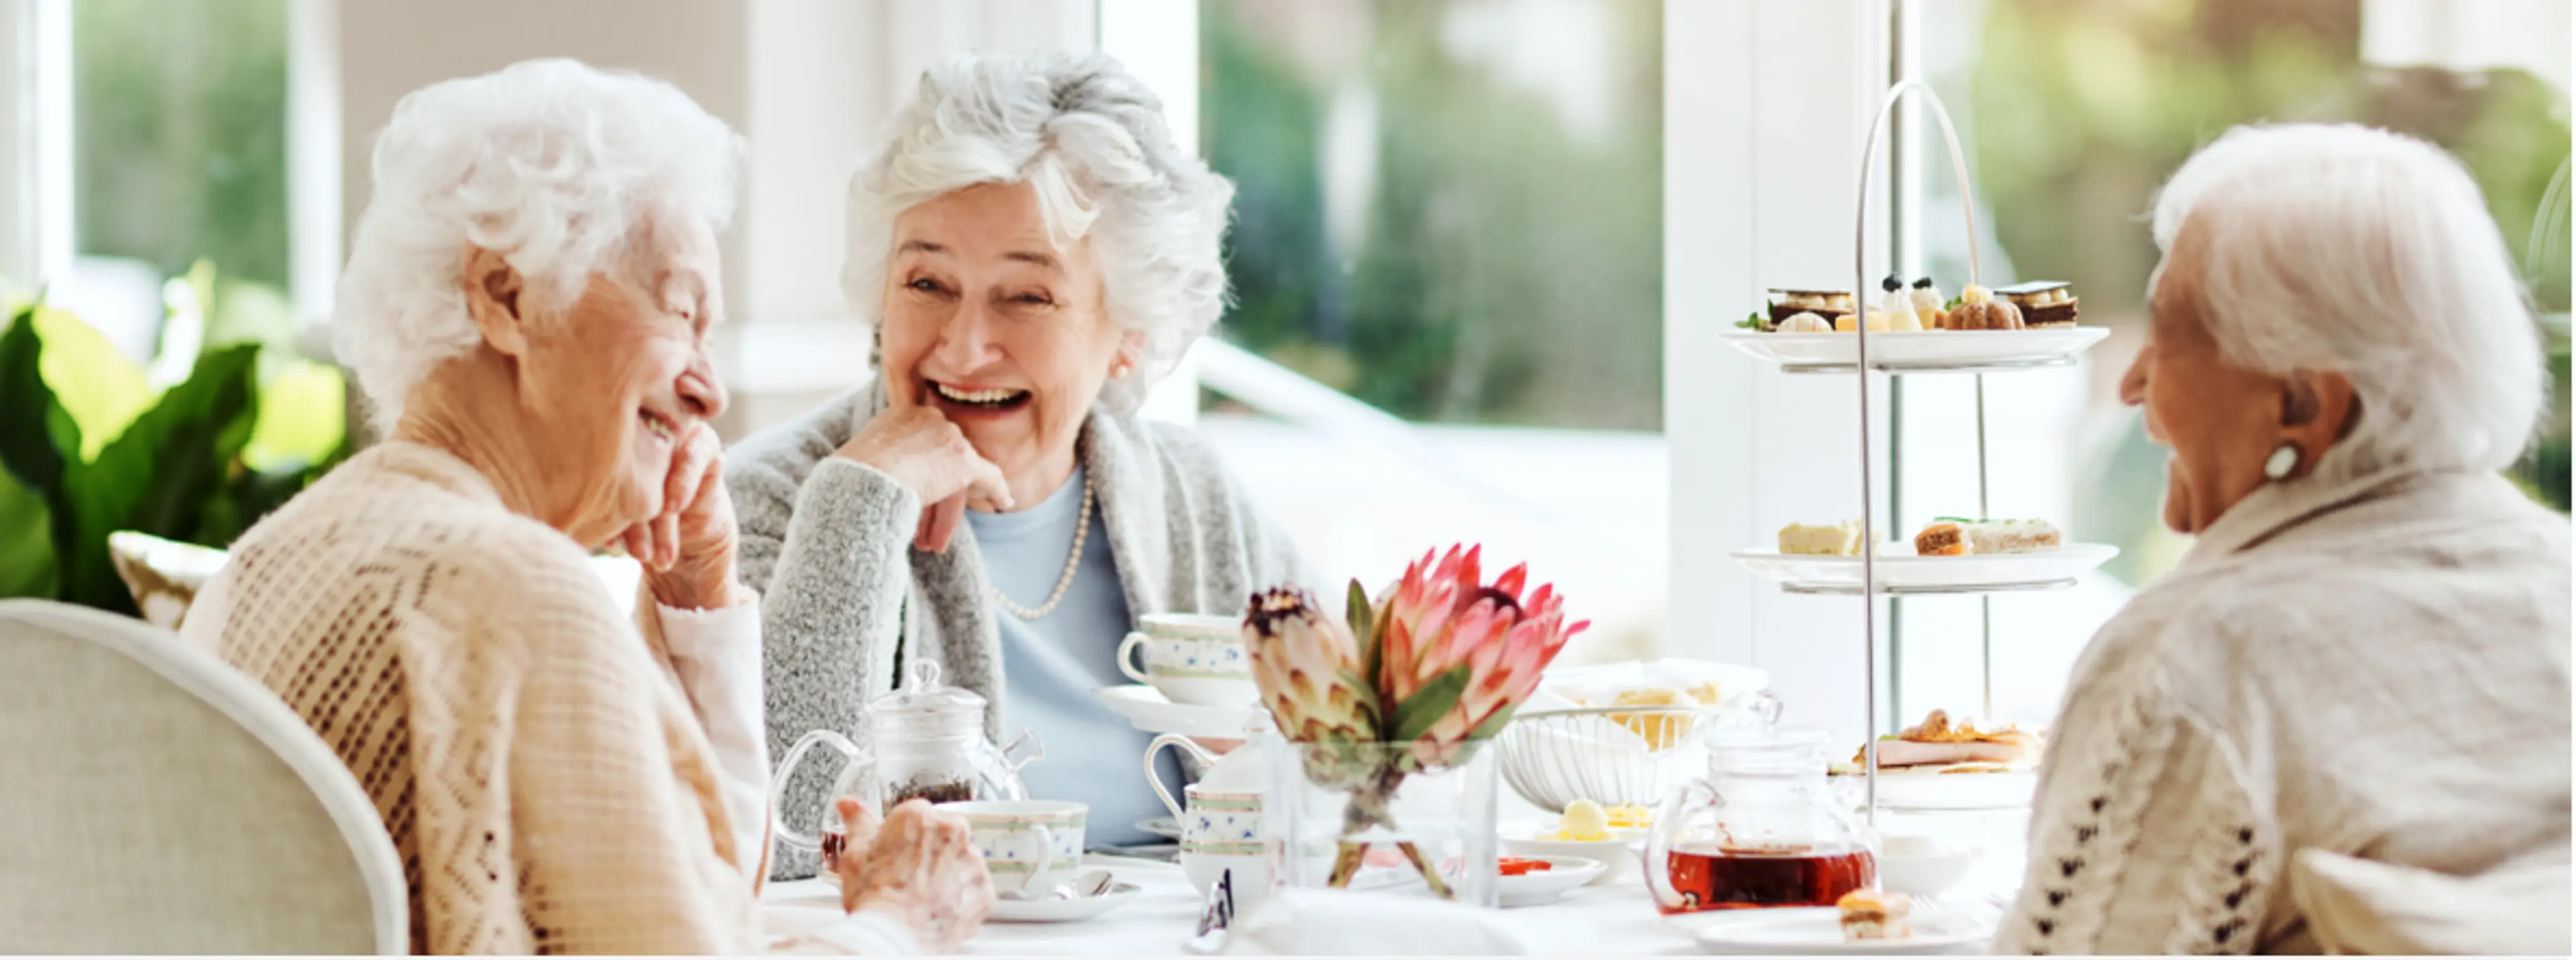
(2282, 461)
(1119, 372)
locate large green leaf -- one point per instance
(158, 477)
(95, 383)
(30, 417)
(27, 566)
(1364, 631)
(1417, 713)
(303, 416)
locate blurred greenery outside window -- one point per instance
(2078, 112)
(179, 118)
(1449, 209)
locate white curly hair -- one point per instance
(1090, 138)
(2345, 248)
(554, 164)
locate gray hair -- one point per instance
(1091, 139)
(2348, 249)
(553, 164)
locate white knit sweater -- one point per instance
(2378, 669)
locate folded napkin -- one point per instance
(1304, 922)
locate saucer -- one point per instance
(1066, 910)
(1164, 827)
(1562, 876)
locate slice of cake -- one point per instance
(1943, 539)
(1839, 540)
(1875, 915)
(1827, 304)
(2013, 536)
(2043, 303)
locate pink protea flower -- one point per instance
(1441, 620)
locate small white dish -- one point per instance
(1927, 873)
(1066, 910)
(1818, 931)
(1903, 351)
(1147, 709)
(1903, 571)
(1165, 827)
(1617, 855)
(1562, 876)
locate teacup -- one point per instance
(1030, 846)
(1192, 658)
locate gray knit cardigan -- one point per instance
(828, 543)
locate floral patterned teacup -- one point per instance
(1029, 846)
(1192, 658)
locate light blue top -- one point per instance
(1050, 667)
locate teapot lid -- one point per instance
(924, 695)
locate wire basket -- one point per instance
(1608, 755)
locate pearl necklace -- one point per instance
(1064, 582)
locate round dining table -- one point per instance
(1613, 918)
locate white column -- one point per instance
(36, 244)
(313, 151)
(1765, 107)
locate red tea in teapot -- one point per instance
(1709, 877)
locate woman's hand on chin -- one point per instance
(687, 549)
(929, 456)
(919, 866)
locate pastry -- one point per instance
(2043, 303)
(1824, 303)
(1979, 310)
(1939, 745)
(1895, 309)
(2010, 536)
(1840, 540)
(1584, 822)
(1806, 322)
(1944, 539)
(1874, 915)
(1659, 730)
(1928, 307)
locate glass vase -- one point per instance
(1395, 817)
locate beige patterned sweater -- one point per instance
(536, 757)
(2376, 670)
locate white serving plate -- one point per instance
(1818, 931)
(1925, 351)
(1903, 571)
(1926, 876)
(1146, 709)
(1900, 790)
(1562, 876)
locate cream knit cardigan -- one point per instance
(538, 762)
(2377, 670)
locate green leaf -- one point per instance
(1417, 713)
(30, 415)
(1753, 321)
(1493, 724)
(158, 477)
(303, 414)
(100, 390)
(27, 566)
(1363, 621)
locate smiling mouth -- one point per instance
(657, 424)
(980, 399)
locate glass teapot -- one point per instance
(1762, 830)
(926, 740)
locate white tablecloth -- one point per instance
(1613, 919)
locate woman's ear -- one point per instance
(493, 296)
(1122, 361)
(2319, 409)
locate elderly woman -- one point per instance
(528, 303)
(1033, 251)
(2356, 684)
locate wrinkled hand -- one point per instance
(687, 549)
(920, 866)
(920, 449)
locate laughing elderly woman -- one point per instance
(1033, 252)
(527, 303)
(2354, 689)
